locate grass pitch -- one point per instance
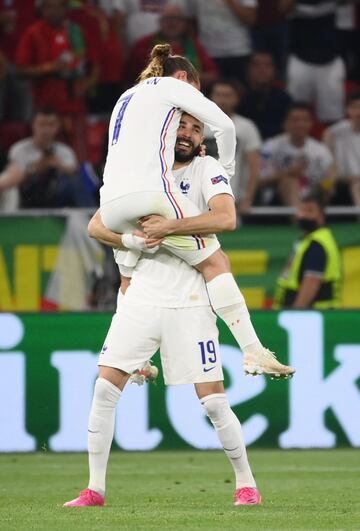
(183, 490)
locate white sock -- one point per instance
(229, 304)
(229, 431)
(101, 431)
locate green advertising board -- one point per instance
(29, 256)
(48, 364)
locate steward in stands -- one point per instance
(312, 275)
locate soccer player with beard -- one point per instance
(166, 306)
(136, 185)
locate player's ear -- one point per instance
(181, 75)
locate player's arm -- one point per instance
(220, 218)
(98, 231)
(192, 101)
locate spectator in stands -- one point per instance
(135, 18)
(15, 91)
(312, 275)
(270, 32)
(173, 30)
(224, 30)
(293, 162)
(343, 139)
(316, 72)
(226, 94)
(46, 171)
(263, 102)
(52, 53)
(105, 45)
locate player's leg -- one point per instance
(190, 353)
(229, 304)
(132, 339)
(228, 428)
(107, 392)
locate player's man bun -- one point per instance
(162, 63)
(158, 56)
(161, 52)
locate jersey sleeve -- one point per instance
(314, 261)
(189, 99)
(214, 179)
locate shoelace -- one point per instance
(270, 354)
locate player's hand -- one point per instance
(133, 243)
(150, 243)
(156, 226)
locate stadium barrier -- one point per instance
(48, 364)
(46, 259)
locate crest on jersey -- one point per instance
(184, 187)
(218, 179)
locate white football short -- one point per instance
(122, 215)
(321, 85)
(187, 339)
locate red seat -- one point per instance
(11, 132)
(95, 136)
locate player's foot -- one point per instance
(148, 373)
(247, 496)
(265, 362)
(87, 498)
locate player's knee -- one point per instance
(105, 393)
(216, 407)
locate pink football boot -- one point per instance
(87, 498)
(247, 496)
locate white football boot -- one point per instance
(265, 362)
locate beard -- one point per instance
(180, 156)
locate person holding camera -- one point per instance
(42, 170)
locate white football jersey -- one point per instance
(163, 279)
(203, 179)
(142, 136)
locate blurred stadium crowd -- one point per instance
(286, 71)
